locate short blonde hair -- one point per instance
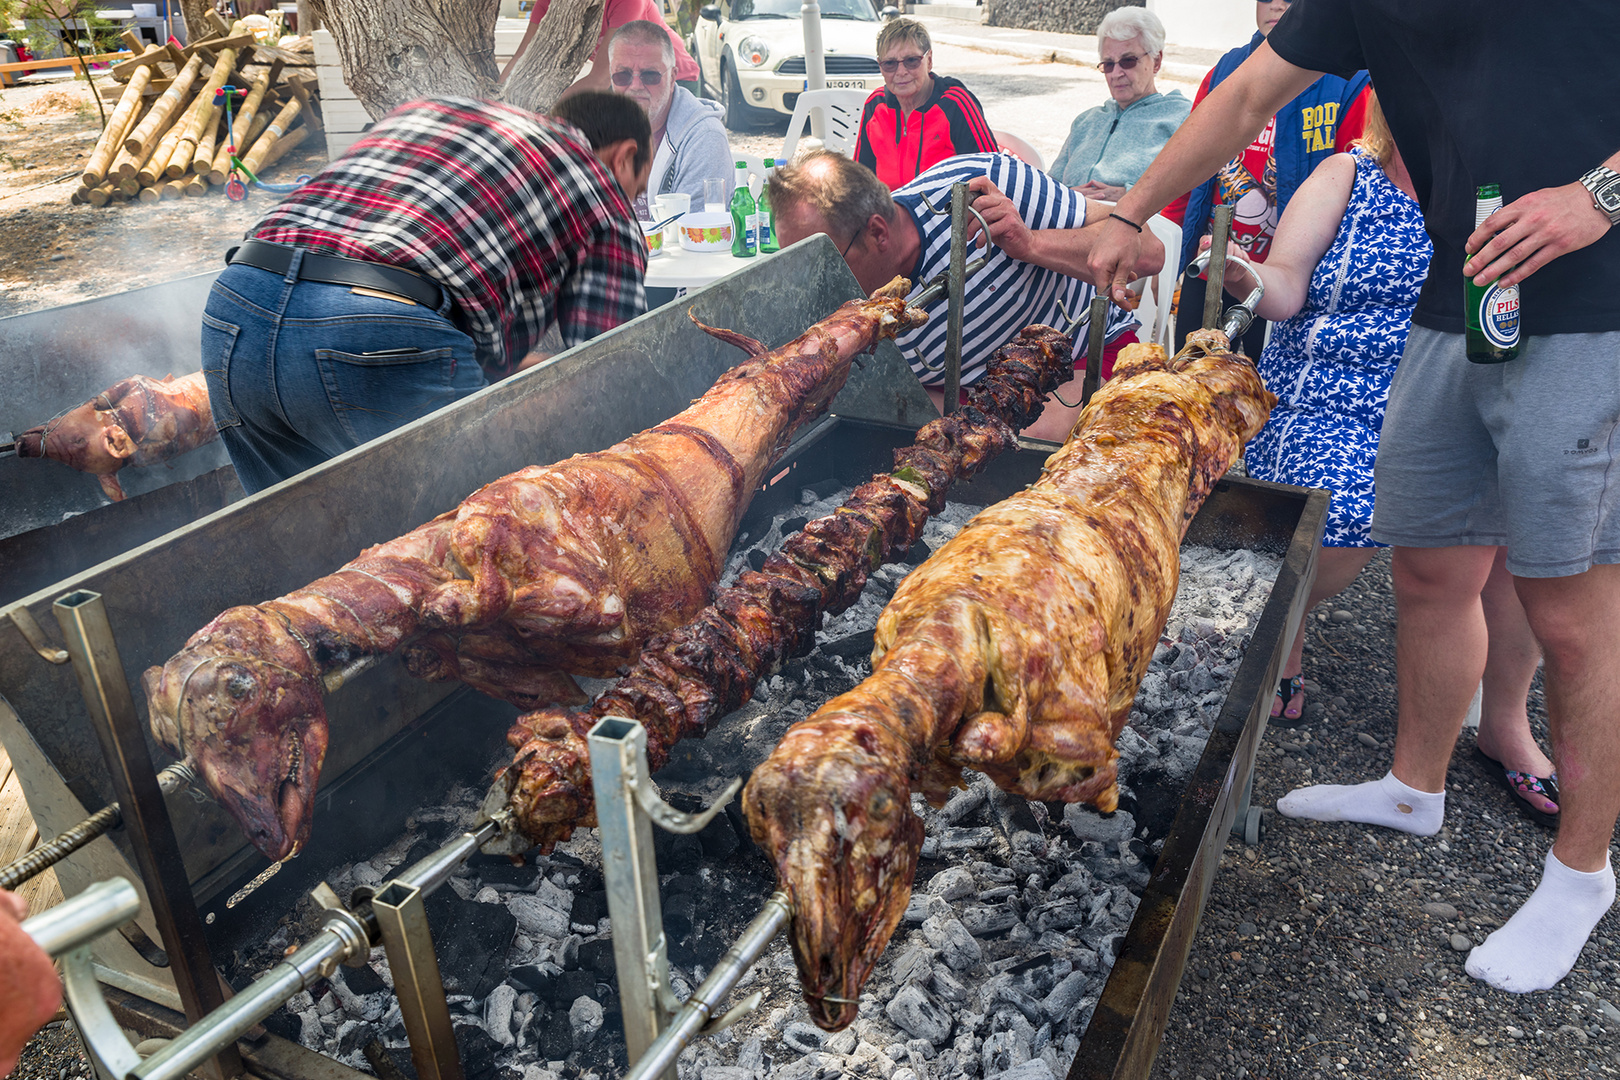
(900, 31)
(841, 192)
(1376, 139)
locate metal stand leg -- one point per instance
(402, 920)
(83, 619)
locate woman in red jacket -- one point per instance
(918, 119)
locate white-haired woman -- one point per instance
(1110, 146)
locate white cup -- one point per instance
(669, 205)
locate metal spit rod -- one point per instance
(343, 937)
(104, 906)
(700, 1006)
(1220, 232)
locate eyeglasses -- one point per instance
(889, 67)
(649, 76)
(1128, 61)
(857, 236)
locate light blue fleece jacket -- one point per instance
(1114, 146)
(697, 136)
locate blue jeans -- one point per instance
(300, 371)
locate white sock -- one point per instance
(1386, 802)
(1540, 944)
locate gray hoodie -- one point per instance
(693, 149)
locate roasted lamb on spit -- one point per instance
(561, 568)
(138, 421)
(692, 676)
(1015, 650)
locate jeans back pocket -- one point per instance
(218, 346)
(370, 394)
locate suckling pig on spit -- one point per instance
(552, 569)
(1016, 650)
(137, 421)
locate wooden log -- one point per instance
(254, 158)
(157, 166)
(113, 92)
(284, 146)
(203, 157)
(244, 132)
(172, 189)
(203, 115)
(197, 183)
(151, 129)
(127, 165)
(300, 89)
(101, 194)
(119, 123)
(150, 194)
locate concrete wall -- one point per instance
(1205, 24)
(1058, 16)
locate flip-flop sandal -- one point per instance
(1530, 793)
(1287, 691)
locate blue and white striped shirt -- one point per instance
(1007, 295)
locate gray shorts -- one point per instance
(1521, 453)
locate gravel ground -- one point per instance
(1338, 949)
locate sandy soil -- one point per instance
(53, 253)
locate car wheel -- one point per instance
(740, 116)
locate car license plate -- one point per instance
(841, 84)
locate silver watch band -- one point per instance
(1604, 185)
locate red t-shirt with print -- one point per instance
(615, 13)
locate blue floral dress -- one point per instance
(1331, 364)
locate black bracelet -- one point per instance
(1127, 221)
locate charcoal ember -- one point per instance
(1006, 993)
(588, 907)
(553, 895)
(364, 979)
(719, 838)
(352, 1035)
(555, 1038)
(792, 525)
(914, 965)
(536, 917)
(680, 915)
(673, 850)
(471, 941)
(914, 1011)
(1058, 914)
(1033, 1069)
(918, 554)
(851, 646)
(952, 884)
(478, 1051)
(500, 870)
(985, 921)
(822, 489)
(596, 957)
(536, 978)
(1087, 824)
(1060, 1004)
(566, 954)
(917, 908)
(498, 1013)
(585, 1017)
(310, 1031)
(285, 1023)
(356, 1006)
(685, 883)
(803, 1037)
(1002, 1051)
(563, 989)
(756, 559)
(956, 946)
(963, 802)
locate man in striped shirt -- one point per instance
(427, 261)
(1038, 255)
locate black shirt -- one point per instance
(1479, 92)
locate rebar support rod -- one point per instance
(957, 299)
(695, 1014)
(1220, 233)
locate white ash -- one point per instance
(1012, 926)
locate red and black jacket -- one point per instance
(950, 122)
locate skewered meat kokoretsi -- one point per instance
(692, 676)
(138, 421)
(1016, 650)
(553, 569)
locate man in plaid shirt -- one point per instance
(427, 261)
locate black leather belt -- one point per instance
(337, 270)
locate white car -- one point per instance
(751, 53)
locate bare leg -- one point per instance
(1440, 646)
(1439, 654)
(1577, 621)
(1336, 568)
(1510, 665)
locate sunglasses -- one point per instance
(649, 76)
(889, 67)
(1127, 62)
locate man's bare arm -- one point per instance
(1063, 250)
(1222, 125)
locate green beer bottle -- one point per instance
(744, 222)
(767, 216)
(1490, 312)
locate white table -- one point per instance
(680, 269)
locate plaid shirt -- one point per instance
(510, 212)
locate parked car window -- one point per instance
(860, 10)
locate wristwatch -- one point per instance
(1604, 184)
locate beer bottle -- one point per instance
(744, 221)
(1490, 312)
(767, 216)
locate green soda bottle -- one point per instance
(744, 222)
(1490, 312)
(767, 216)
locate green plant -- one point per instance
(73, 23)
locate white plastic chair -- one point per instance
(1020, 149)
(841, 120)
(1154, 313)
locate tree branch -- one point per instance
(554, 57)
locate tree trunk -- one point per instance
(554, 58)
(195, 14)
(395, 51)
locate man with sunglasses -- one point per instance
(688, 134)
(615, 13)
(918, 119)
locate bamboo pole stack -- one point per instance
(168, 137)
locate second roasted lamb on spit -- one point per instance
(554, 569)
(1016, 650)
